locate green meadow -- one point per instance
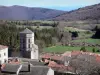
(90, 40)
(62, 49)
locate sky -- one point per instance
(52, 4)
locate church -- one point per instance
(28, 48)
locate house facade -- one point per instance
(3, 54)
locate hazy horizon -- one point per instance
(65, 5)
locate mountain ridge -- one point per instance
(17, 12)
(84, 13)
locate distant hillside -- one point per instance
(27, 13)
(85, 13)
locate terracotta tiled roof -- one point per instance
(52, 64)
(89, 53)
(46, 56)
(46, 61)
(80, 52)
(59, 67)
(3, 47)
(56, 57)
(98, 58)
(76, 52)
(67, 54)
(3, 65)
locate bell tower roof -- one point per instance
(27, 31)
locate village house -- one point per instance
(3, 54)
(65, 62)
(26, 67)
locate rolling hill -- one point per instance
(86, 13)
(27, 13)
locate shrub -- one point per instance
(83, 49)
(93, 50)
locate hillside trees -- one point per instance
(9, 35)
(85, 65)
(66, 38)
(83, 49)
(45, 35)
(74, 34)
(97, 33)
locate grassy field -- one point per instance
(62, 49)
(81, 32)
(34, 27)
(74, 29)
(84, 35)
(94, 41)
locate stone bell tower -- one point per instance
(27, 47)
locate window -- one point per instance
(29, 40)
(5, 60)
(4, 54)
(24, 46)
(28, 45)
(0, 61)
(23, 40)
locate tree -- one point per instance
(97, 34)
(41, 45)
(54, 40)
(95, 29)
(93, 50)
(74, 34)
(83, 49)
(66, 38)
(85, 65)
